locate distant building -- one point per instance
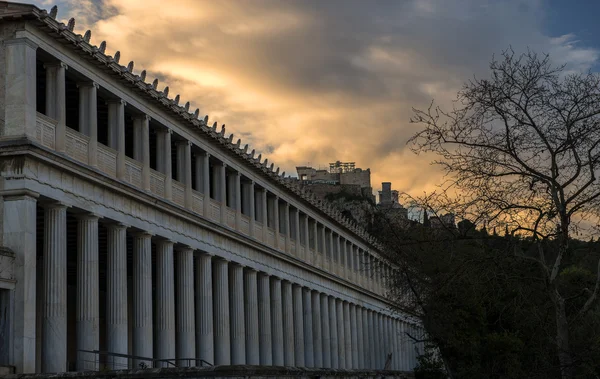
(340, 177)
(444, 221)
(388, 202)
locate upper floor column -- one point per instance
(20, 88)
(203, 179)
(163, 159)
(286, 226)
(56, 100)
(88, 118)
(116, 133)
(248, 204)
(184, 169)
(141, 147)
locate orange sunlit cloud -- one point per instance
(319, 81)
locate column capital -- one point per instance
(56, 64)
(248, 268)
(20, 41)
(116, 225)
(87, 216)
(116, 101)
(18, 194)
(142, 233)
(184, 249)
(88, 84)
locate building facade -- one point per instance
(130, 226)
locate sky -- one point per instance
(314, 81)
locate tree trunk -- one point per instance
(562, 338)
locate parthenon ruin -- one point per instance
(137, 235)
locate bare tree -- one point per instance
(522, 151)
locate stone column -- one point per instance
(20, 90)
(237, 198)
(297, 232)
(306, 240)
(307, 312)
(55, 101)
(251, 313)
(184, 169)
(163, 159)
(145, 135)
(204, 309)
(88, 292)
(372, 348)
(333, 333)
(264, 213)
(236, 307)
(318, 245)
(251, 208)
(287, 306)
(341, 331)
(286, 226)
(325, 331)
(203, 180)
(324, 246)
(328, 236)
(277, 322)
(317, 322)
(221, 184)
(298, 302)
(349, 258)
(88, 118)
(341, 264)
(142, 333)
(381, 338)
(221, 313)
(116, 133)
(360, 341)
(116, 295)
(276, 221)
(186, 320)
(54, 329)
(264, 319)
(164, 348)
(350, 332)
(395, 356)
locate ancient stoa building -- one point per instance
(137, 234)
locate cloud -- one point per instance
(319, 81)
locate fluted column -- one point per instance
(165, 303)
(306, 256)
(298, 320)
(326, 329)
(54, 329)
(184, 170)
(116, 294)
(203, 180)
(236, 307)
(341, 333)
(324, 246)
(116, 133)
(360, 340)
(264, 319)
(318, 343)
(88, 118)
(19, 92)
(163, 159)
(297, 233)
(204, 309)
(88, 291)
(317, 244)
(55, 100)
(286, 226)
(307, 310)
(221, 184)
(333, 330)
(287, 305)
(276, 221)
(251, 313)
(186, 320)
(251, 208)
(372, 348)
(237, 197)
(396, 356)
(277, 322)
(341, 256)
(264, 213)
(142, 298)
(221, 313)
(350, 335)
(381, 338)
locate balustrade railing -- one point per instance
(157, 183)
(258, 231)
(77, 145)
(197, 202)
(215, 210)
(133, 172)
(230, 220)
(245, 224)
(45, 131)
(270, 237)
(107, 160)
(178, 193)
